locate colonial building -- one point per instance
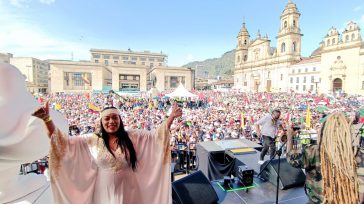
(168, 78)
(35, 72)
(83, 76)
(114, 57)
(342, 61)
(5, 57)
(304, 76)
(337, 66)
(260, 67)
(119, 71)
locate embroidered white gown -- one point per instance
(83, 171)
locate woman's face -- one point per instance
(111, 123)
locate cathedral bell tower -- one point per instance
(241, 53)
(289, 35)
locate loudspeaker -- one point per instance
(193, 189)
(245, 175)
(289, 176)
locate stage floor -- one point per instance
(264, 193)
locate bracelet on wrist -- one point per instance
(47, 119)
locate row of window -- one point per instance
(106, 62)
(304, 79)
(97, 56)
(43, 82)
(333, 41)
(129, 77)
(283, 47)
(245, 58)
(79, 79)
(304, 88)
(245, 43)
(294, 24)
(129, 86)
(43, 73)
(306, 70)
(174, 81)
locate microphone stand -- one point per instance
(279, 153)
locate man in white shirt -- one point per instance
(269, 129)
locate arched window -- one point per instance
(285, 24)
(294, 23)
(352, 37)
(283, 47)
(245, 42)
(347, 38)
(328, 42)
(333, 41)
(245, 58)
(294, 46)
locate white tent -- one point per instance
(181, 92)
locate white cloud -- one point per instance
(25, 3)
(22, 37)
(19, 3)
(358, 8)
(48, 2)
(190, 57)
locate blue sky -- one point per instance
(186, 30)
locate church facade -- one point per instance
(339, 59)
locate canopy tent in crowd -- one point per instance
(181, 92)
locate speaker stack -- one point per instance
(289, 176)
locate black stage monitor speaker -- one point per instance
(289, 176)
(193, 189)
(245, 175)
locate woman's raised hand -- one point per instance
(176, 111)
(42, 112)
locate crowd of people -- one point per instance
(214, 116)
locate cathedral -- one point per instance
(337, 65)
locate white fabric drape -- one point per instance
(23, 138)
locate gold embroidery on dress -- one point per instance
(58, 149)
(106, 160)
(163, 137)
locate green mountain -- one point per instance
(222, 66)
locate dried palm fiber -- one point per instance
(338, 165)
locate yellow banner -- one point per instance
(242, 120)
(308, 117)
(93, 107)
(57, 106)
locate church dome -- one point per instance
(290, 8)
(243, 31)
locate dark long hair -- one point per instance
(123, 141)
